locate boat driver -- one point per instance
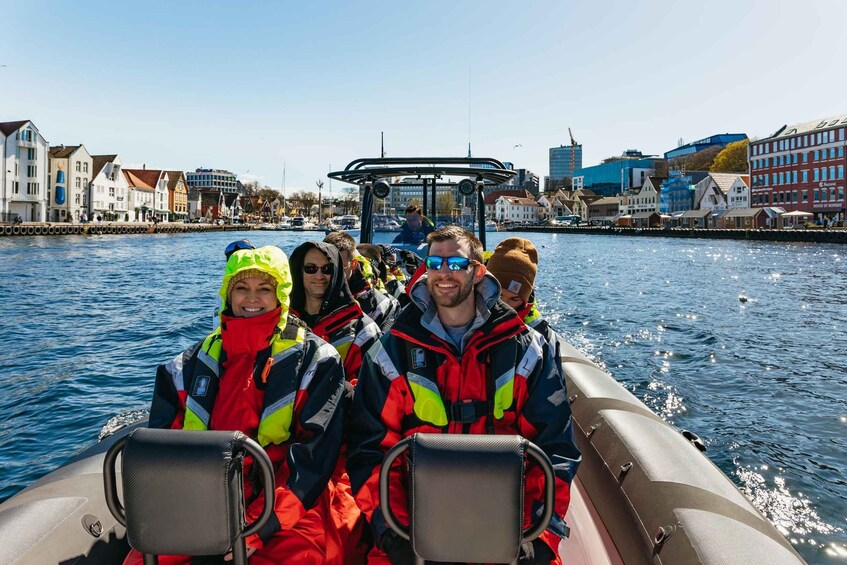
(432, 374)
(415, 228)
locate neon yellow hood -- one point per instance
(268, 259)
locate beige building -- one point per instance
(177, 195)
(67, 194)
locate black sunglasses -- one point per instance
(312, 269)
(434, 263)
(239, 245)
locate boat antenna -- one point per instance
(469, 111)
(283, 189)
(382, 145)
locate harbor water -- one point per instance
(743, 343)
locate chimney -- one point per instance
(144, 167)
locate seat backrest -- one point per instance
(183, 491)
(466, 497)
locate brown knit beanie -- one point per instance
(514, 264)
(246, 274)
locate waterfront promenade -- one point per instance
(838, 235)
(109, 228)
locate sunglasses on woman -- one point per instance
(312, 269)
(434, 263)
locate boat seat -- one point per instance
(183, 491)
(458, 485)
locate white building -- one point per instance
(23, 172)
(739, 193)
(140, 196)
(710, 193)
(515, 209)
(109, 193)
(156, 179)
(646, 200)
(67, 191)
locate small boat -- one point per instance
(490, 226)
(298, 223)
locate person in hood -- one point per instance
(358, 271)
(458, 360)
(514, 264)
(244, 377)
(321, 297)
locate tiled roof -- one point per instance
(492, 197)
(11, 127)
(173, 179)
(149, 177)
(606, 201)
(135, 182)
(99, 161)
(724, 180)
(63, 151)
(743, 213)
(806, 127)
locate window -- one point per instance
(805, 196)
(16, 187)
(794, 159)
(832, 173)
(85, 167)
(32, 188)
(817, 195)
(816, 175)
(32, 171)
(840, 171)
(805, 157)
(78, 166)
(817, 155)
(832, 152)
(792, 143)
(841, 151)
(794, 195)
(794, 177)
(78, 180)
(823, 173)
(781, 178)
(805, 176)
(32, 153)
(841, 134)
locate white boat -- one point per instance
(490, 226)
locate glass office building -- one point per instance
(721, 139)
(560, 161)
(610, 179)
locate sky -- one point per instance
(300, 88)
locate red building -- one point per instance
(801, 167)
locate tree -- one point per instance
(268, 194)
(733, 158)
(444, 203)
(660, 168)
(700, 161)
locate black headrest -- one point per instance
(466, 497)
(183, 491)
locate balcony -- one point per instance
(24, 143)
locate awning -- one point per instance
(797, 214)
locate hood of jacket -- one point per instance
(338, 294)
(268, 259)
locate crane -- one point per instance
(573, 156)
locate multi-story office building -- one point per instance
(801, 167)
(23, 172)
(618, 175)
(404, 192)
(560, 162)
(212, 180)
(68, 183)
(719, 139)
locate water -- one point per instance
(763, 382)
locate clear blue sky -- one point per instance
(249, 87)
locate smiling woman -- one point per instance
(251, 293)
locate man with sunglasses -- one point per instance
(457, 360)
(321, 297)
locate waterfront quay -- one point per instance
(801, 235)
(28, 229)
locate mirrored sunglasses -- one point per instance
(453, 263)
